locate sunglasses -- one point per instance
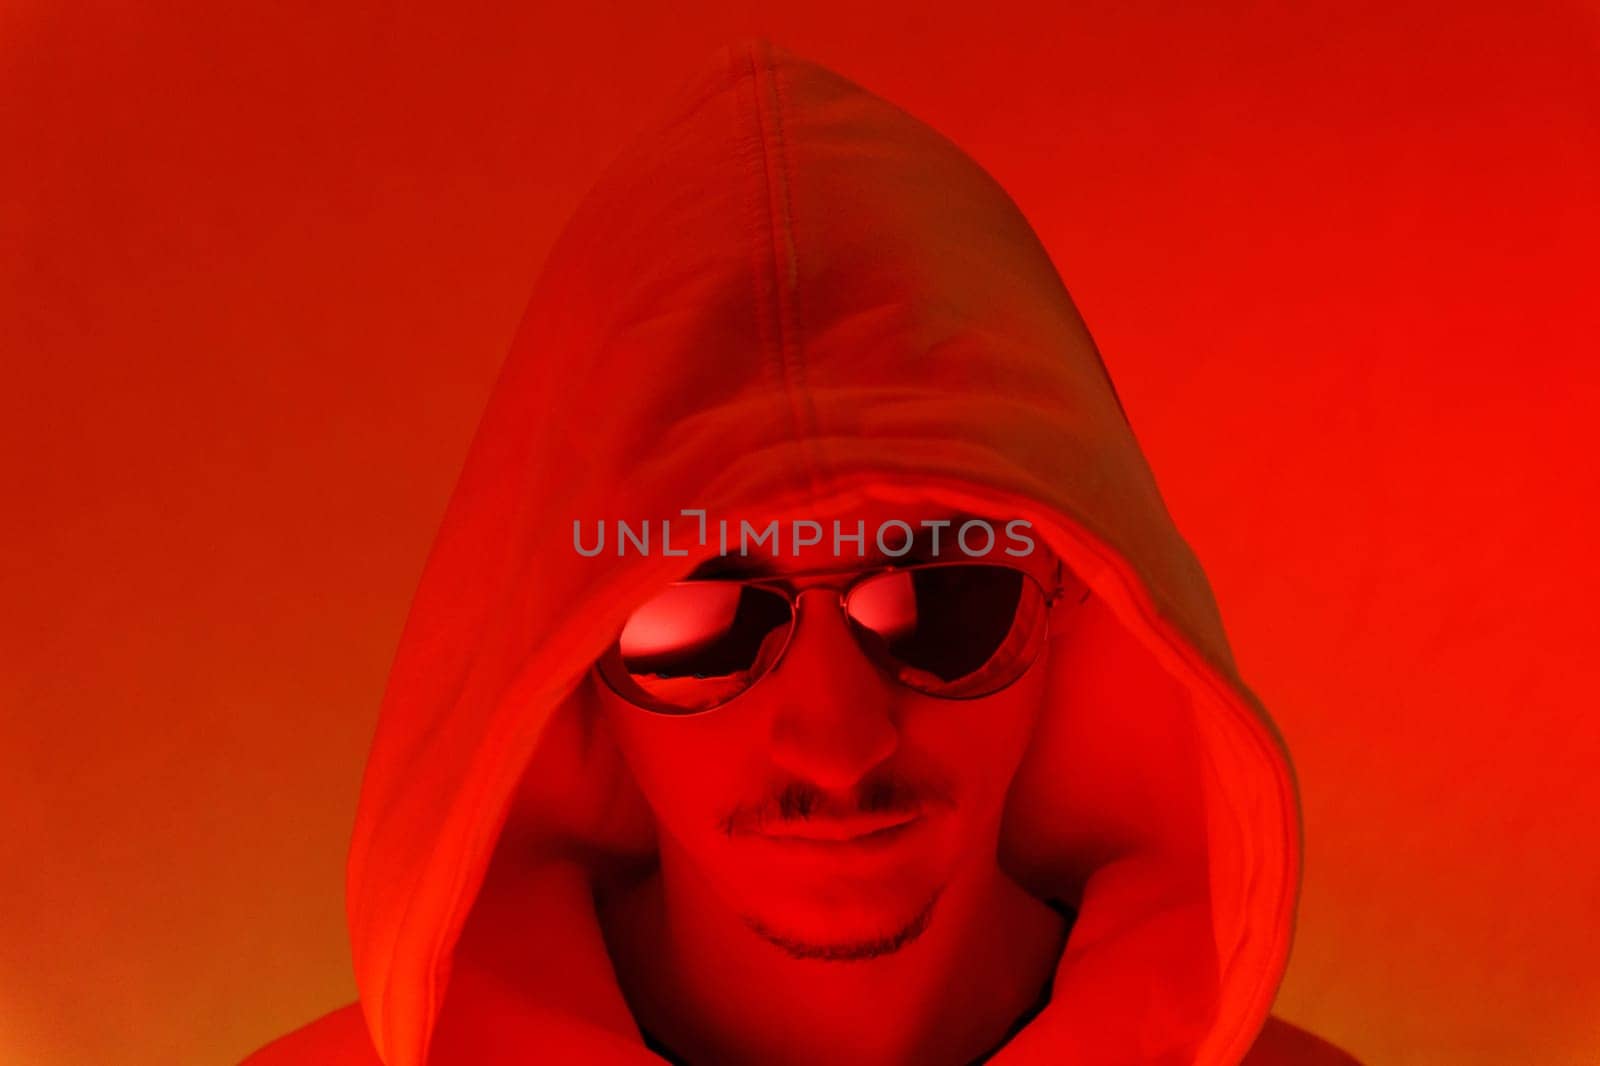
(954, 630)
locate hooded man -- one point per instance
(641, 791)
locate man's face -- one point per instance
(828, 805)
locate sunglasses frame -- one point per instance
(789, 586)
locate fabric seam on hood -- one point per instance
(767, 105)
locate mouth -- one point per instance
(862, 832)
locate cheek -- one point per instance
(687, 768)
(980, 742)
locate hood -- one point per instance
(787, 295)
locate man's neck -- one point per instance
(703, 983)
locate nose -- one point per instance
(833, 722)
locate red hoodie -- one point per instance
(788, 295)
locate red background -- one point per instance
(260, 265)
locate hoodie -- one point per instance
(789, 296)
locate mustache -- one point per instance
(800, 801)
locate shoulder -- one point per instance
(338, 1038)
(1282, 1044)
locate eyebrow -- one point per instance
(754, 566)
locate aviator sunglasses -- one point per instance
(955, 630)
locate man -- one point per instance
(698, 747)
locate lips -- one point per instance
(859, 830)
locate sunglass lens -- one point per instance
(697, 645)
(957, 631)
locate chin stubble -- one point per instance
(848, 950)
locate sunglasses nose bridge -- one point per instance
(826, 612)
(821, 642)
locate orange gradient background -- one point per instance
(259, 265)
